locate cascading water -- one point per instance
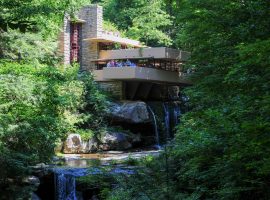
(167, 120)
(65, 183)
(65, 187)
(155, 127)
(65, 179)
(176, 114)
(172, 115)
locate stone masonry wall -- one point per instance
(66, 40)
(92, 28)
(60, 45)
(115, 88)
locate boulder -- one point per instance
(90, 146)
(130, 112)
(75, 144)
(40, 169)
(32, 180)
(114, 140)
(109, 140)
(40, 166)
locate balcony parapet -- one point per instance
(140, 74)
(112, 38)
(162, 53)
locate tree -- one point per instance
(222, 143)
(145, 20)
(148, 23)
(221, 149)
(37, 16)
(40, 101)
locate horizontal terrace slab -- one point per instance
(115, 39)
(140, 74)
(145, 53)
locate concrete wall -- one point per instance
(140, 74)
(155, 52)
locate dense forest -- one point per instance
(222, 146)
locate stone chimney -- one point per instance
(91, 19)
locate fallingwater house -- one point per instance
(129, 72)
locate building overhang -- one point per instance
(140, 74)
(77, 20)
(108, 38)
(160, 53)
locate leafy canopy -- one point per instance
(145, 20)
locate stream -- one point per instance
(62, 183)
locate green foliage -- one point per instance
(102, 182)
(95, 103)
(148, 23)
(27, 47)
(39, 16)
(140, 19)
(85, 134)
(39, 101)
(222, 144)
(221, 150)
(148, 182)
(120, 12)
(29, 98)
(130, 161)
(109, 26)
(38, 106)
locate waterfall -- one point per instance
(176, 114)
(171, 118)
(167, 120)
(155, 126)
(65, 183)
(65, 179)
(65, 187)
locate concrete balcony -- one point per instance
(159, 53)
(110, 38)
(140, 74)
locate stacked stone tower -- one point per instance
(90, 19)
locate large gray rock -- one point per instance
(113, 140)
(32, 180)
(131, 112)
(75, 144)
(109, 140)
(89, 146)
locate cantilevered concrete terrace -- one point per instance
(157, 53)
(159, 64)
(132, 72)
(86, 41)
(111, 38)
(140, 74)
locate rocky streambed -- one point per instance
(70, 179)
(131, 124)
(86, 164)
